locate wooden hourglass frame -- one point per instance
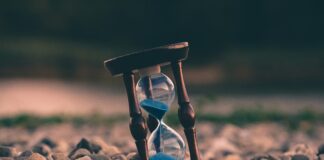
(127, 65)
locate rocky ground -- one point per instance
(229, 142)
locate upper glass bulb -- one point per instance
(155, 89)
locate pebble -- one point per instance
(36, 156)
(26, 153)
(301, 149)
(264, 157)
(84, 158)
(7, 151)
(6, 158)
(49, 142)
(133, 156)
(59, 156)
(84, 143)
(299, 157)
(83, 148)
(321, 157)
(232, 157)
(99, 157)
(81, 152)
(42, 149)
(100, 146)
(320, 149)
(61, 147)
(119, 157)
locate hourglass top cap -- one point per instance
(162, 55)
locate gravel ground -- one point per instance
(229, 142)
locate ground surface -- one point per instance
(232, 127)
(215, 141)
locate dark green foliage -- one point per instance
(238, 117)
(248, 116)
(32, 121)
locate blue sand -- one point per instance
(162, 156)
(155, 108)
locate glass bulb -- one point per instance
(157, 87)
(166, 144)
(155, 93)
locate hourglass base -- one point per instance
(162, 156)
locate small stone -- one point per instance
(36, 156)
(320, 149)
(26, 153)
(84, 158)
(42, 149)
(133, 156)
(7, 151)
(284, 147)
(301, 149)
(264, 157)
(84, 144)
(110, 150)
(321, 157)
(226, 153)
(59, 156)
(61, 147)
(48, 142)
(80, 153)
(119, 157)
(6, 158)
(220, 148)
(99, 157)
(232, 157)
(299, 157)
(99, 145)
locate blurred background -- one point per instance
(243, 54)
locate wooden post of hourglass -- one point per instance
(137, 122)
(186, 113)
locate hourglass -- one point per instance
(154, 93)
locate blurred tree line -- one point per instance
(274, 36)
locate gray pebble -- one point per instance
(7, 151)
(264, 157)
(83, 148)
(320, 149)
(99, 157)
(321, 157)
(36, 156)
(6, 158)
(48, 142)
(84, 158)
(100, 146)
(118, 157)
(299, 157)
(26, 153)
(42, 149)
(59, 156)
(84, 143)
(133, 156)
(80, 153)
